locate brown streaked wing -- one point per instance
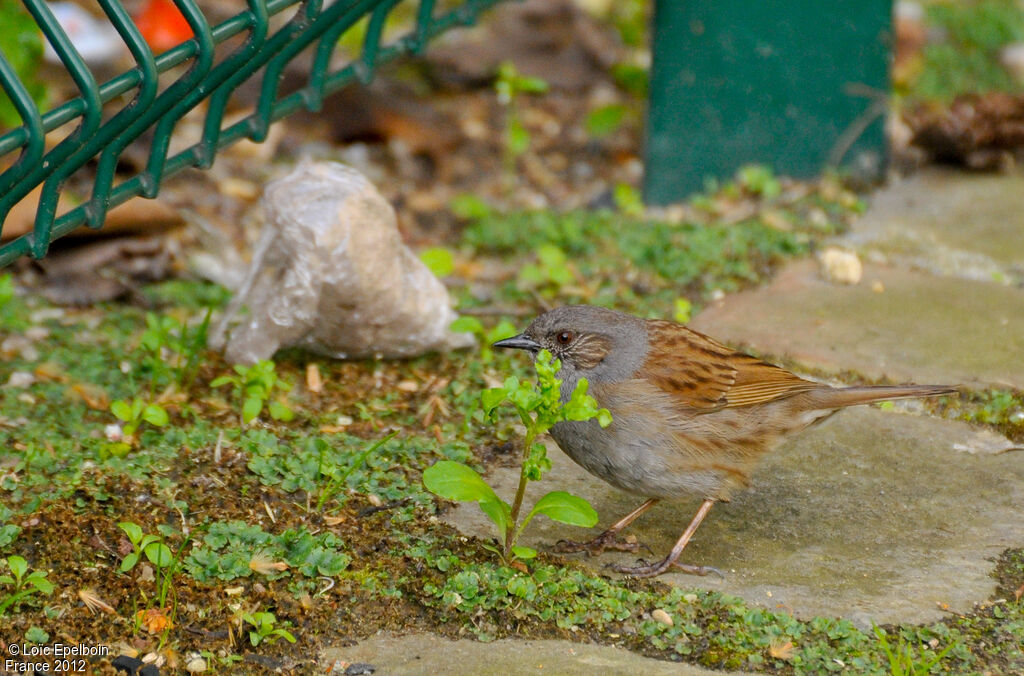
(700, 373)
(687, 365)
(758, 382)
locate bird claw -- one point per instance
(602, 542)
(699, 570)
(644, 569)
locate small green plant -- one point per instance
(172, 349)
(470, 207)
(229, 550)
(510, 85)
(549, 274)
(539, 408)
(158, 553)
(438, 260)
(6, 291)
(225, 660)
(136, 412)
(8, 531)
(24, 583)
(154, 547)
(12, 309)
(254, 386)
(264, 629)
(606, 120)
(683, 310)
(36, 635)
(998, 407)
(903, 659)
(628, 200)
(334, 477)
(759, 180)
(487, 337)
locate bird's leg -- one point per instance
(652, 569)
(607, 539)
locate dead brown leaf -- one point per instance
(51, 371)
(94, 396)
(1018, 593)
(314, 383)
(155, 620)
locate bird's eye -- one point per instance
(565, 337)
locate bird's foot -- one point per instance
(644, 569)
(604, 541)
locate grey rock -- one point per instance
(916, 328)
(438, 656)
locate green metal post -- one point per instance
(796, 85)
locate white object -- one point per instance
(96, 41)
(840, 266)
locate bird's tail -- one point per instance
(851, 396)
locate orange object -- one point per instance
(162, 25)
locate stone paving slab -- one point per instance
(872, 516)
(948, 222)
(919, 328)
(428, 654)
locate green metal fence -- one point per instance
(160, 107)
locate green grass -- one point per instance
(644, 265)
(966, 60)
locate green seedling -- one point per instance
(606, 120)
(152, 546)
(683, 310)
(487, 337)
(510, 86)
(23, 583)
(172, 349)
(628, 200)
(12, 309)
(8, 531)
(903, 659)
(333, 475)
(549, 274)
(470, 207)
(253, 386)
(438, 260)
(264, 629)
(539, 408)
(6, 291)
(228, 551)
(759, 180)
(136, 412)
(164, 560)
(36, 635)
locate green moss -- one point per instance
(644, 265)
(966, 60)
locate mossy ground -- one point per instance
(258, 524)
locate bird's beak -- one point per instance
(520, 342)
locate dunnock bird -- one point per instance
(689, 415)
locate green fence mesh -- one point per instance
(263, 52)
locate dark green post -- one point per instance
(795, 85)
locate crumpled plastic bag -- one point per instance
(331, 274)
